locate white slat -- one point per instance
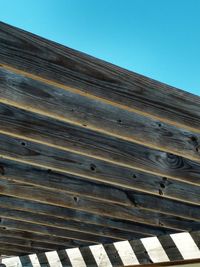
(53, 259)
(100, 256)
(34, 260)
(155, 249)
(75, 257)
(126, 253)
(12, 262)
(186, 245)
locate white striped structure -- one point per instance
(167, 248)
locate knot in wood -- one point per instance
(174, 161)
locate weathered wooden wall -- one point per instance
(89, 152)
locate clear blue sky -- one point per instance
(156, 38)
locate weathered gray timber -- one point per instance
(85, 75)
(91, 153)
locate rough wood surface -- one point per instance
(12, 239)
(94, 115)
(132, 212)
(65, 234)
(90, 152)
(86, 75)
(47, 241)
(110, 224)
(58, 182)
(167, 165)
(18, 122)
(80, 227)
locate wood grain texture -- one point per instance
(40, 239)
(107, 224)
(94, 231)
(89, 76)
(19, 249)
(45, 178)
(12, 239)
(79, 110)
(65, 234)
(132, 213)
(31, 126)
(89, 152)
(87, 167)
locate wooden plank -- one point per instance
(41, 177)
(109, 224)
(13, 120)
(132, 213)
(53, 231)
(19, 249)
(131, 198)
(6, 239)
(82, 227)
(26, 244)
(83, 74)
(86, 167)
(39, 239)
(46, 178)
(94, 115)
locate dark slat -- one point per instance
(140, 252)
(64, 259)
(196, 237)
(131, 213)
(170, 248)
(25, 261)
(65, 136)
(81, 216)
(113, 255)
(88, 256)
(42, 258)
(115, 85)
(80, 227)
(69, 107)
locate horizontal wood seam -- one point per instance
(82, 93)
